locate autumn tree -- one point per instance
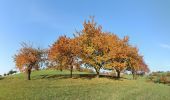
(97, 49)
(102, 49)
(28, 58)
(106, 50)
(117, 53)
(93, 46)
(123, 56)
(134, 61)
(64, 53)
(89, 38)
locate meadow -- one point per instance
(56, 85)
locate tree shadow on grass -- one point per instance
(1, 78)
(66, 76)
(75, 76)
(112, 77)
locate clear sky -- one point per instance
(146, 22)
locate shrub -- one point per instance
(156, 74)
(160, 77)
(168, 74)
(5, 74)
(164, 79)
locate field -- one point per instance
(52, 85)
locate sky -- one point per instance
(41, 22)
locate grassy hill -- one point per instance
(56, 85)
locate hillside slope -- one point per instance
(52, 85)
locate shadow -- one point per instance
(76, 76)
(1, 78)
(112, 77)
(65, 76)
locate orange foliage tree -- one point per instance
(106, 50)
(28, 58)
(91, 47)
(135, 62)
(64, 52)
(96, 49)
(118, 54)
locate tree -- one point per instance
(117, 53)
(11, 72)
(135, 61)
(28, 58)
(102, 49)
(124, 56)
(64, 52)
(93, 45)
(5, 74)
(96, 49)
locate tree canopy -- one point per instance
(97, 49)
(91, 47)
(28, 58)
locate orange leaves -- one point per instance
(97, 49)
(64, 51)
(107, 50)
(92, 47)
(27, 57)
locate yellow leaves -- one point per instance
(89, 50)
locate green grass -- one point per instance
(48, 74)
(63, 88)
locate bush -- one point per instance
(164, 79)
(11, 72)
(156, 74)
(168, 74)
(5, 74)
(160, 77)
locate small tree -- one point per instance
(64, 52)
(28, 58)
(5, 74)
(135, 62)
(11, 72)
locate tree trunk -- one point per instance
(71, 71)
(118, 73)
(97, 74)
(61, 69)
(29, 74)
(134, 76)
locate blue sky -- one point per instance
(146, 22)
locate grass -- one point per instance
(57, 88)
(48, 74)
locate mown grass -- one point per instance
(56, 88)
